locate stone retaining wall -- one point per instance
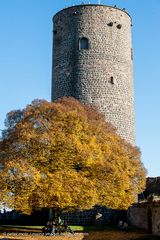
(146, 216)
(97, 215)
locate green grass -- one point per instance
(74, 228)
(77, 228)
(19, 226)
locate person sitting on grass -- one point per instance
(53, 228)
(66, 227)
(122, 225)
(47, 228)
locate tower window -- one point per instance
(111, 80)
(119, 26)
(83, 43)
(131, 54)
(110, 24)
(75, 13)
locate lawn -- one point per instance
(38, 228)
(21, 228)
(81, 233)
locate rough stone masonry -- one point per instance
(93, 62)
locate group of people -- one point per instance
(52, 228)
(122, 225)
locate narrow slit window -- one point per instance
(112, 80)
(83, 43)
(131, 54)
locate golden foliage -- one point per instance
(65, 155)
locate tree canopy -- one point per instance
(65, 155)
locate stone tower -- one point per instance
(92, 61)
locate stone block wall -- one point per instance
(96, 216)
(152, 186)
(138, 216)
(101, 75)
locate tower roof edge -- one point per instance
(100, 5)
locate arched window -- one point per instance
(83, 43)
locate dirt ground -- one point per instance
(107, 235)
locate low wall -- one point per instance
(137, 216)
(146, 216)
(97, 215)
(156, 222)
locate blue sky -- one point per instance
(26, 52)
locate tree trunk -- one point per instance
(54, 215)
(51, 214)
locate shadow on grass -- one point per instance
(5, 238)
(103, 237)
(21, 227)
(112, 233)
(90, 232)
(7, 229)
(146, 238)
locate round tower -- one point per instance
(92, 61)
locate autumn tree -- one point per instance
(65, 155)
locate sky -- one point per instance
(26, 58)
